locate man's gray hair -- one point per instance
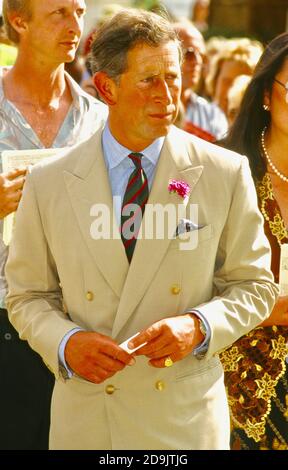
(122, 32)
(20, 6)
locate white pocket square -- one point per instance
(186, 225)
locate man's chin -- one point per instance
(70, 58)
(162, 131)
(70, 54)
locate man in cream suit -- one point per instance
(187, 304)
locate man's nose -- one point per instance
(192, 55)
(163, 92)
(76, 25)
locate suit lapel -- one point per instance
(88, 184)
(172, 165)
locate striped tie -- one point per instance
(136, 193)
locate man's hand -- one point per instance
(95, 357)
(173, 337)
(11, 185)
(279, 314)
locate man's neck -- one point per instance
(41, 95)
(41, 84)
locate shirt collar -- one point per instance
(115, 153)
(77, 92)
(75, 89)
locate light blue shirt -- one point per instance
(206, 115)
(85, 116)
(119, 169)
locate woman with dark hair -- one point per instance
(255, 366)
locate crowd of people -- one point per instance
(148, 114)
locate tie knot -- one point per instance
(136, 159)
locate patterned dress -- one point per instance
(255, 366)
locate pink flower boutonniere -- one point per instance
(179, 187)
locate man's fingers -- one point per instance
(166, 351)
(11, 204)
(14, 197)
(10, 191)
(11, 175)
(160, 362)
(109, 364)
(103, 369)
(94, 356)
(17, 184)
(154, 345)
(12, 207)
(145, 337)
(117, 354)
(99, 375)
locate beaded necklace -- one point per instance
(278, 173)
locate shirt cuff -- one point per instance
(65, 370)
(200, 350)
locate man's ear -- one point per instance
(106, 88)
(18, 22)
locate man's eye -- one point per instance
(80, 12)
(147, 80)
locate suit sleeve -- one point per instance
(35, 311)
(243, 283)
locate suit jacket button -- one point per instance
(160, 385)
(176, 289)
(110, 389)
(89, 296)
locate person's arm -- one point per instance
(279, 314)
(34, 299)
(35, 302)
(66, 371)
(244, 291)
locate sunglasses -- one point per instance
(285, 85)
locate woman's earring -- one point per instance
(266, 107)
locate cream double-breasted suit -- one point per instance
(226, 276)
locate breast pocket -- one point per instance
(191, 240)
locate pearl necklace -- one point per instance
(278, 173)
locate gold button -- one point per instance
(160, 385)
(89, 296)
(110, 389)
(176, 289)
